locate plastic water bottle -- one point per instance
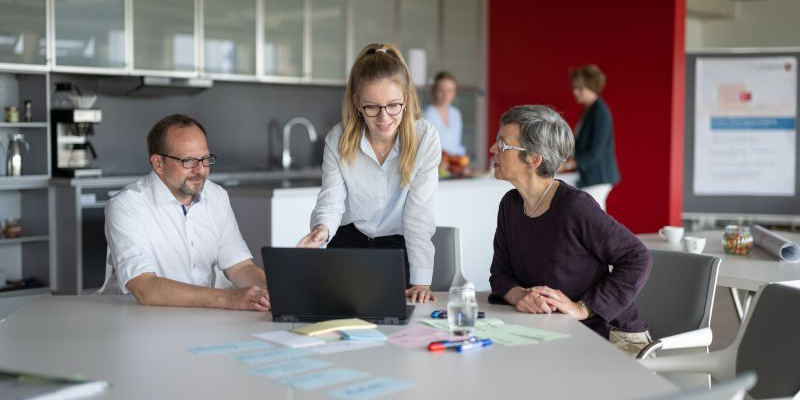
(462, 309)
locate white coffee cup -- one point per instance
(694, 244)
(672, 234)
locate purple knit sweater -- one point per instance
(569, 248)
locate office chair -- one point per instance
(766, 344)
(733, 389)
(676, 301)
(447, 260)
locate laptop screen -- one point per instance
(319, 284)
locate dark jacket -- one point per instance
(594, 147)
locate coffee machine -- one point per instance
(71, 126)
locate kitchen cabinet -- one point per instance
(99, 44)
(328, 39)
(23, 33)
(164, 35)
(374, 21)
(461, 38)
(229, 29)
(284, 24)
(419, 33)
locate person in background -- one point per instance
(553, 244)
(168, 230)
(444, 116)
(594, 158)
(379, 169)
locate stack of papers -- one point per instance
(321, 328)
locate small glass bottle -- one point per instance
(28, 116)
(12, 114)
(462, 309)
(737, 240)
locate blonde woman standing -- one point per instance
(379, 169)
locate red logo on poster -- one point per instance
(745, 96)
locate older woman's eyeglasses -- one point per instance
(191, 162)
(503, 146)
(391, 109)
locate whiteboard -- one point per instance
(741, 145)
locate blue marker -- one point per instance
(477, 344)
(442, 314)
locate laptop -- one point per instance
(311, 285)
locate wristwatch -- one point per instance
(586, 307)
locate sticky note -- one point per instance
(327, 377)
(277, 354)
(334, 325)
(344, 345)
(287, 367)
(371, 389)
(229, 347)
(290, 339)
(363, 334)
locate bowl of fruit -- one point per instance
(454, 166)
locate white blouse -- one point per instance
(372, 196)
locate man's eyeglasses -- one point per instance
(503, 146)
(191, 162)
(391, 109)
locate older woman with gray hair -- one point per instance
(553, 244)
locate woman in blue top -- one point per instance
(444, 117)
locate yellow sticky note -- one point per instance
(334, 325)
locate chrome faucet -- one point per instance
(286, 157)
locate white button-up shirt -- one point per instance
(147, 231)
(373, 197)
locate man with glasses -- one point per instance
(167, 231)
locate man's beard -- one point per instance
(188, 190)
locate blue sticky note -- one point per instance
(363, 334)
(287, 367)
(316, 380)
(229, 347)
(277, 354)
(371, 389)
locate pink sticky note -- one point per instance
(418, 336)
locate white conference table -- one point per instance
(140, 350)
(743, 272)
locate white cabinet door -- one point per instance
(163, 35)
(229, 31)
(291, 213)
(23, 37)
(373, 22)
(283, 37)
(419, 35)
(328, 39)
(100, 43)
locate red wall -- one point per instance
(639, 45)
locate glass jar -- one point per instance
(12, 228)
(12, 114)
(462, 309)
(737, 240)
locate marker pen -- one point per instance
(478, 344)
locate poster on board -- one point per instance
(745, 126)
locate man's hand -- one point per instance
(248, 298)
(420, 294)
(315, 239)
(559, 301)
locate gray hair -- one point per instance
(542, 132)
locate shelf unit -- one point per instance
(26, 197)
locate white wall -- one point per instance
(762, 23)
